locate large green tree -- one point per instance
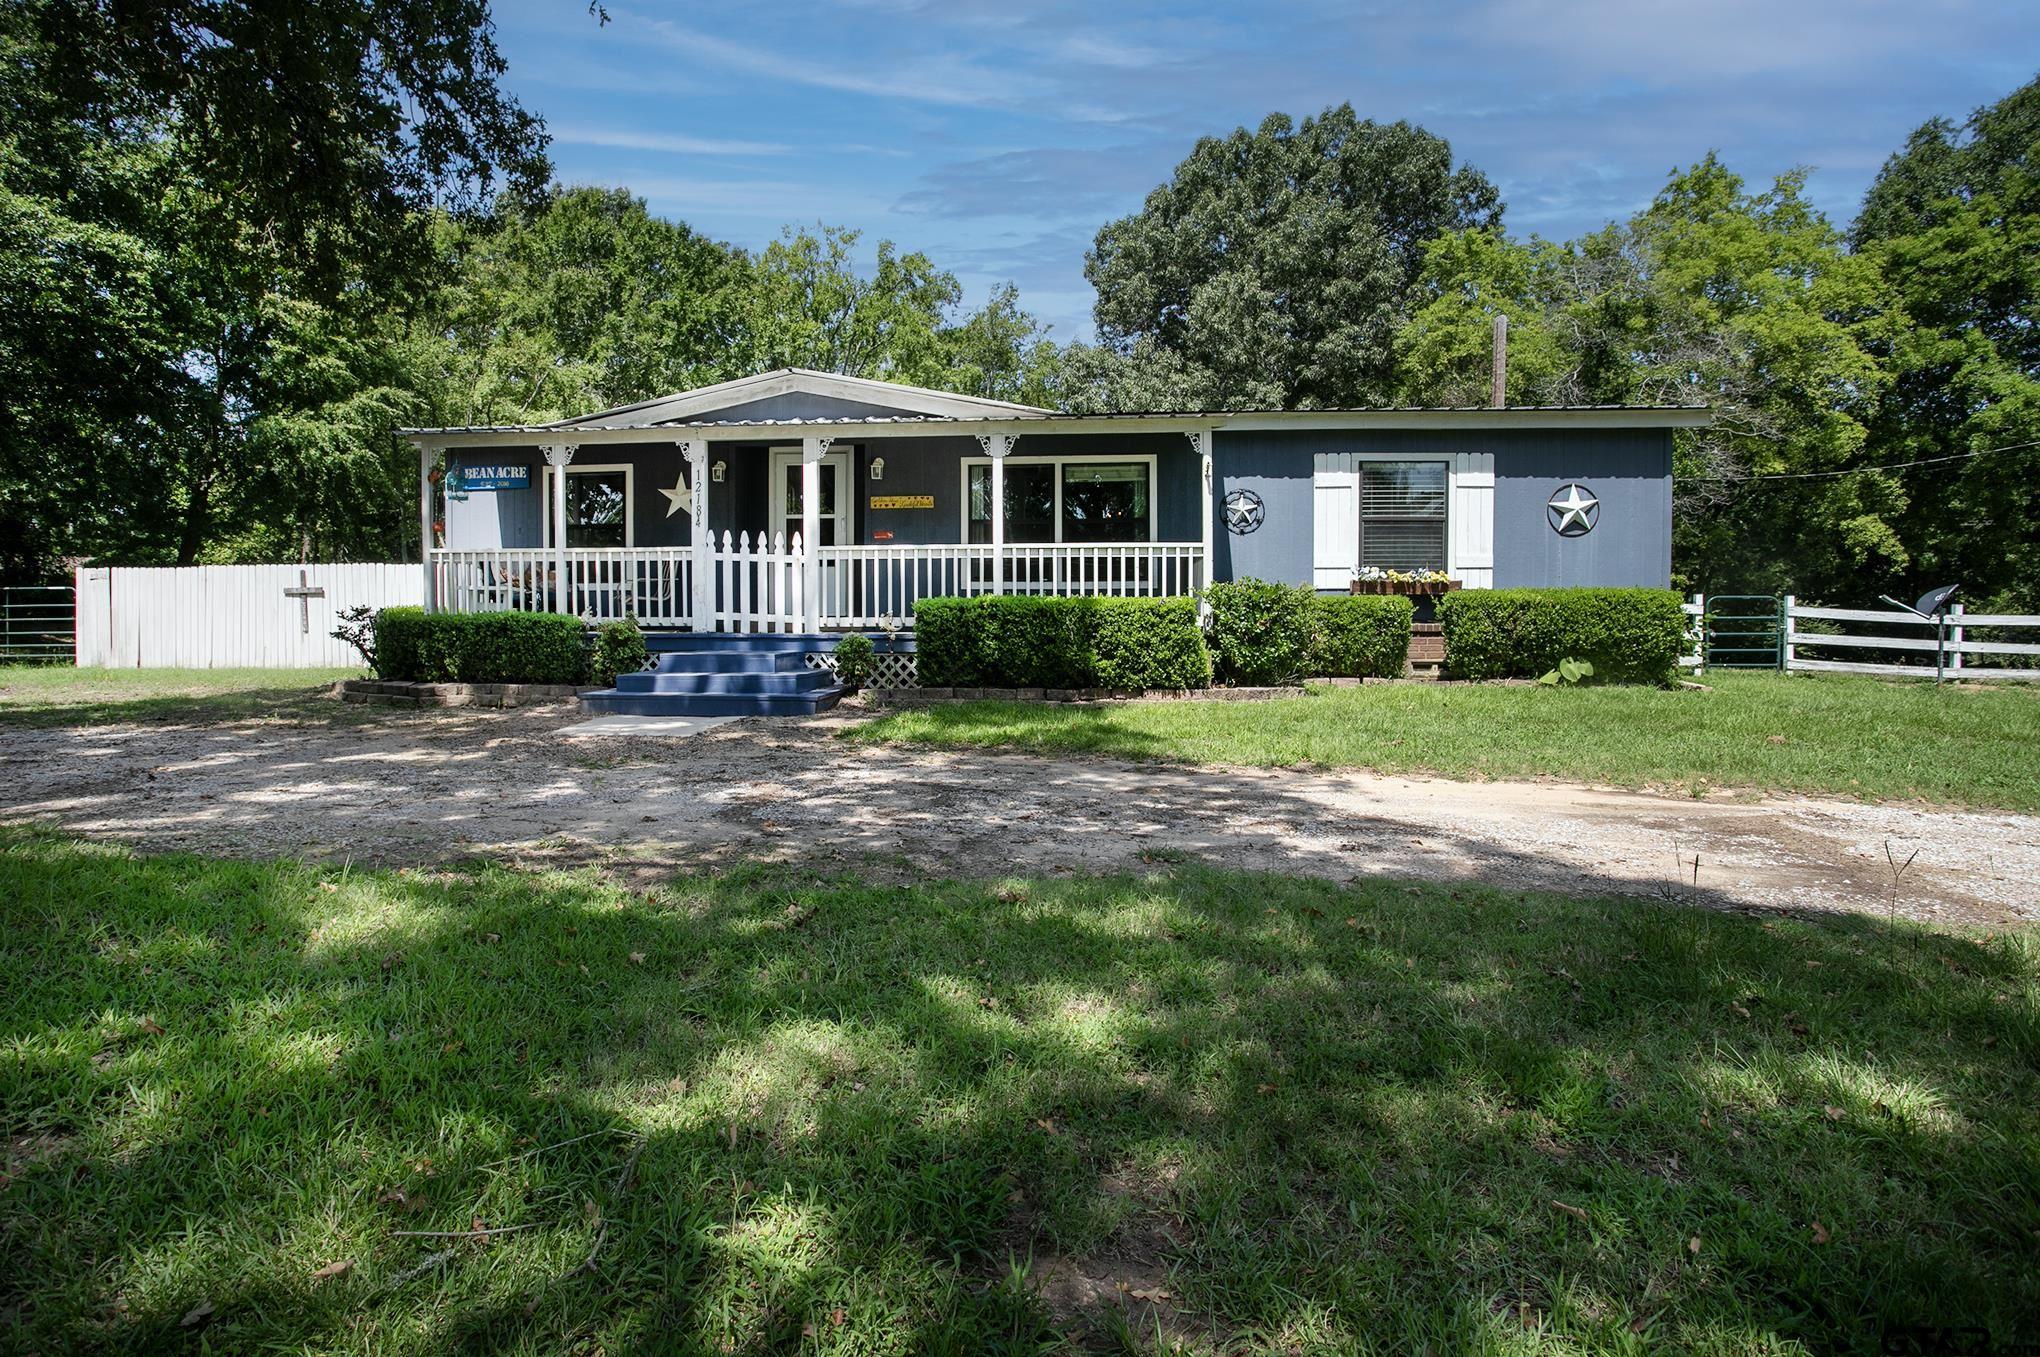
(1276, 265)
(1952, 223)
(1746, 301)
(178, 178)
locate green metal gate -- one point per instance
(37, 624)
(1744, 631)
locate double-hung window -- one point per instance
(1402, 515)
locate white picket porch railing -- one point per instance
(761, 584)
(653, 584)
(863, 586)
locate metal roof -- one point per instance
(1640, 416)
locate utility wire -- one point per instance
(1859, 470)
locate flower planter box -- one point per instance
(1412, 588)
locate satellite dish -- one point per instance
(1935, 601)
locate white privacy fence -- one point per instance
(230, 616)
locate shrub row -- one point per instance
(1001, 641)
(1628, 635)
(1265, 633)
(413, 645)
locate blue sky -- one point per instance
(998, 135)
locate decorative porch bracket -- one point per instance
(559, 456)
(996, 446)
(695, 453)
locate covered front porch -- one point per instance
(814, 531)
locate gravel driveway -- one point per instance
(403, 787)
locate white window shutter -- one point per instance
(1335, 519)
(1473, 520)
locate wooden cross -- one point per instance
(304, 594)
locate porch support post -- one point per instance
(996, 446)
(558, 456)
(811, 451)
(1201, 440)
(425, 459)
(702, 609)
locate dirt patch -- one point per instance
(427, 786)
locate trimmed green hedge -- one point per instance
(1003, 641)
(1148, 643)
(1364, 636)
(414, 645)
(1628, 635)
(1265, 633)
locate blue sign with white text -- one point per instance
(494, 477)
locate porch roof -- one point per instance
(629, 426)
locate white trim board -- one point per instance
(545, 530)
(918, 400)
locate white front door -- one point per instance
(832, 512)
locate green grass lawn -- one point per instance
(773, 1112)
(61, 695)
(1854, 736)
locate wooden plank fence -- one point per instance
(1838, 636)
(230, 616)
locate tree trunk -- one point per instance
(197, 522)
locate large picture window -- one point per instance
(1064, 500)
(1402, 515)
(598, 506)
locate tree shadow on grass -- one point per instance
(268, 701)
(1282, 1113)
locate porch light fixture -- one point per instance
(877, 472)
(717, 470)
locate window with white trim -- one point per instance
(1402, 515)
(598, 506)
(1064, 499)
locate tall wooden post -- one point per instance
(559, 456)
(811, 452)
(1500, 396)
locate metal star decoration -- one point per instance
(1244, 512)
(680, 499)
(1573, 510)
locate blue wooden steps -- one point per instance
(724, 674)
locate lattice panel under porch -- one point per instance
(887, 670)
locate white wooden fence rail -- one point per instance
(230, 616)
(1958, 647)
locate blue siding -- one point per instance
(1628, 469)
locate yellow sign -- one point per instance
(902, 501)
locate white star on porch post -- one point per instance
(680, 499)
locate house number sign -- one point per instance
(902, 501)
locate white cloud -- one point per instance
(673, 143)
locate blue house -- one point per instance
(799, 503)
